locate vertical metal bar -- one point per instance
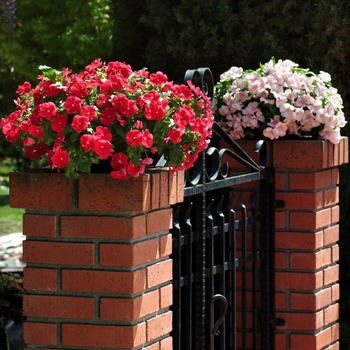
(254, 270)
(267, 262)
(222, 250)
(234, 275)
(189, 274)
(244, 270)
(200, 310)
(177, 281)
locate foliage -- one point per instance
(11, 291)
(109, 112)
(278, 99)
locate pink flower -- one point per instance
(60, 159)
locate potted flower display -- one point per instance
(279, 99)
(109, 113)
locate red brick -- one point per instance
(39, 225)
(331, 235)
(280, 301)
(129, 254)
(310, 220)
(335, 332)
(299, 240)
(280, 341)
(301, 321)
(58, 306)
(155, 183)
(280, 220)
(300, 154)
(280, 260)
(310, 180)
(331, 274)
(39, 279)
(280, 181)
(98, 336)
(331, 314)
(335, 176)
(103, 227)
(41, 190)
(331, 196)
(311, 341)
(166, 245)
(333, 154)
(155, 346)
(311, 301)
(159, 221)
(118, 309)
(334, 346)
(166, 296)
(40, 333)
(335, 214)
(58, 253)
(180, 186)
(300, 201)
(335, 292)
(166, 344)
(296, 280)
(128, 282)
(159, 326)
(335, 253)
(159, 273)
(100, 192)
(310, 261)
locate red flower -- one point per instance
(89, 112)
(23, 89)
(87, 142)
(182, 91)
(107, 116)
(119, 161)
(147, 139)
(80, 123)
(134, 138)
(50, 89)
(175, 136)
(48, 110)
(119, 174)
(154, 111)
(102, 100)
(103, 133)
(158, 78)
(36, 131)
(136, 171)
(36, 151)
(60, 159)
(58, 141)
(79, 90)
(103, 149)
(59, 122)
(11, 132)
(125, 106)
(72, 105)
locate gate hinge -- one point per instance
(280, 204)
(279, 322)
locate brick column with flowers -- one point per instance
(306, 240)
(98, 271)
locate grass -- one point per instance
(10, 218)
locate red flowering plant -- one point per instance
(109, 112)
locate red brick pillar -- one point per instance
(98, 270)
(307, 232)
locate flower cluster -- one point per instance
(278, 99)
(109, 112)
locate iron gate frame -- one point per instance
(196, 323)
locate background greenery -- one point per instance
(176, 35)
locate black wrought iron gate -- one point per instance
(223, 252)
